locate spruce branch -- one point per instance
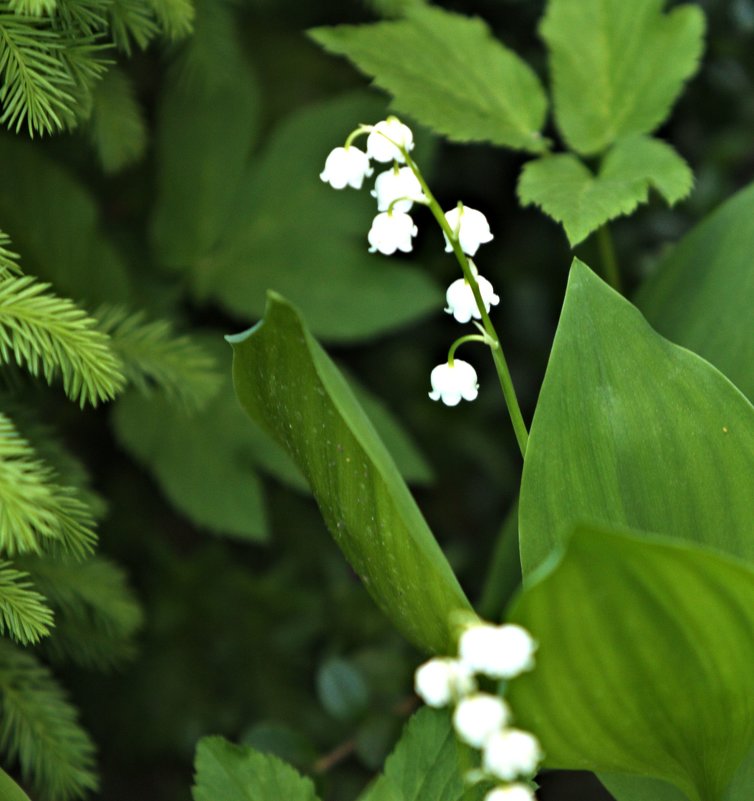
(132, 20)
(32, 8)
(176, 17)
(8, 259)
(23, 613)
(96, 613)
(39, 728)
(153, 356)
(37, 514)
(44, 332)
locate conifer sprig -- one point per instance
(43, 332)
(154, 357)
(23, 613)
(96, 613)
(39, 728)
(8, 259)
(37, 514)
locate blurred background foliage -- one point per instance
(186, 187)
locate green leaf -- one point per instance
(617, 67)
(9, 790)
(202, 153)
(342, 689)
(458, 80)
(702, 292)
(292, 233)
(233, 773)
(287, 384)
(117, 128)
(649, 640)
(428, 764)
(566, 190)
(631, 430)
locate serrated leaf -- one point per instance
(449, 73)
(566, 190)
(702, 292)
(618, 67)
(649, 640)
(292, 233)
(631, 430)
(234, 773)
(428, 764)
(287, 384)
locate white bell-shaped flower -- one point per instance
(450, 383)
(460, 298)
(399, 187)
(513, 792)
(500, 652)
(391, 231)
(470, 227)
(346, 166)
(442, 680)
(511, 753)
(480, 716)
(386, 138)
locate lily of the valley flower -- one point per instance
(470, 227)
(451, 382)
(399, 187)
(386, 138)
(391, 231)
(510, 753)
(511, 792)
(461, 302)
(440, 681)
(480, 716)
(346, 166)
(500, 652)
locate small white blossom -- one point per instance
(451, 383)
(470, 227)
(346, 166)
(391, 231)
(478, 717)
(513, 792)
(511, 753)
(386, 138)
(500, 652)
(440, 681)
(460, 298)
(399, 187)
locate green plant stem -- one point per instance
(462, 340)
(501, 365)
(609, 261)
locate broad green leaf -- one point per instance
(55, 227)
(9, 790)
(202, 153)
(342, 689)
(227, 772)
(288, 385)
(457, 79)
(631, 430)
(567, 190)
(292, 233)
(428, 764)
(648, 641)
(702, 294)
(618, 67)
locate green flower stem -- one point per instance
(501, 365)
(607, 255)
(468, 338)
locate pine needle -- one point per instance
(23, 614)
(39, 728)
(37, 514)
(43, 332)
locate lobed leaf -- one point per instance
(566, 190)
(287, 384)
(649, 640)
(617, 67)
(626, 421)
(458, 80)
